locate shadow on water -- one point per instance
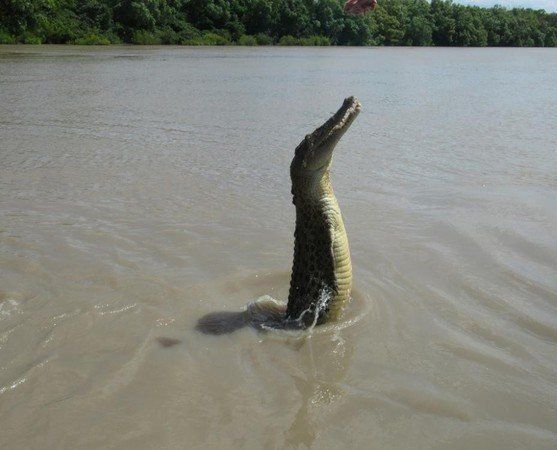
(222, 322)
(265, 313)
(262, 314)
(216, 324)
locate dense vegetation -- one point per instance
(264, 22)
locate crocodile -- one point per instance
(321, 277)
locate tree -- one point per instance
(444, 25)
(394, 22)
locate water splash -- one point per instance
(320, 306)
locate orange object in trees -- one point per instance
(359, 6)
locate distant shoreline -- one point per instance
(419, 23)
(234, 45)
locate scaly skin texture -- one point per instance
(322, 271)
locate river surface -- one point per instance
(142, 188)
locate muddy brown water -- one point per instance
(144, 188)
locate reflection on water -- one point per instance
(319, 385)
(145, 201)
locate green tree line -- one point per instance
(266, 22)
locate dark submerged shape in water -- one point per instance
(321, 273)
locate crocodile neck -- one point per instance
(321, 273)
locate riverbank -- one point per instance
(207, 38)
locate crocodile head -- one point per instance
(314, 154)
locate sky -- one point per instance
(548, 5)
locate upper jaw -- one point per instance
(317, 147)
(336, 126)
